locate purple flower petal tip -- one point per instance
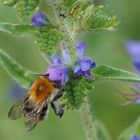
(66, 57)
(133, 48)
(137, 100)
(56, 60)
(137, 65)
(135, 137)
(81, 48)
(39, 19)
(137, 85)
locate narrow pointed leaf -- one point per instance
(108, 72)
(23, 77)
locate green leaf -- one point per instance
(23, 77)
(110, 73)
(8, 2)
(134, 129)
(101, 131)
(75, 91)
(17, 29)
(47, 39)
(98, 18)
(25, 8)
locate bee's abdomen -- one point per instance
(43, 112)
(28, 108)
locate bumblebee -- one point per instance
(34, 105)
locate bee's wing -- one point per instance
(31, 123)
(33, 117)
(17, 109)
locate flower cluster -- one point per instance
(58, 71)
(71, 74)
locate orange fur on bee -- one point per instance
(41, 88)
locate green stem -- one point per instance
(88, 122)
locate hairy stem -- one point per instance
(87, 121)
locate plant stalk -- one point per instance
(87, 121)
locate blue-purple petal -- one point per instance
(133, 48)
(77, 68)
(66, 57)
(137, 100)
(39, 19)
(81, 48)
(137, 85)
(137, 65)
(58, 73)
(85, 64)
(83, 67)
(65, 77)
(55, 73)
(56, 60)
(93, 64)
(87, 74)
(135, 137)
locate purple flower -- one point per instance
(57, 72)
(39, 19)
(81, 48)
(135, 137)
(133, 48)
(84, 66)
(137, 100)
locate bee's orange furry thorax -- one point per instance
(41, 88)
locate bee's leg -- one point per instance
(58, 109)
(58, 96)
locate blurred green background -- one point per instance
(106, 48)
